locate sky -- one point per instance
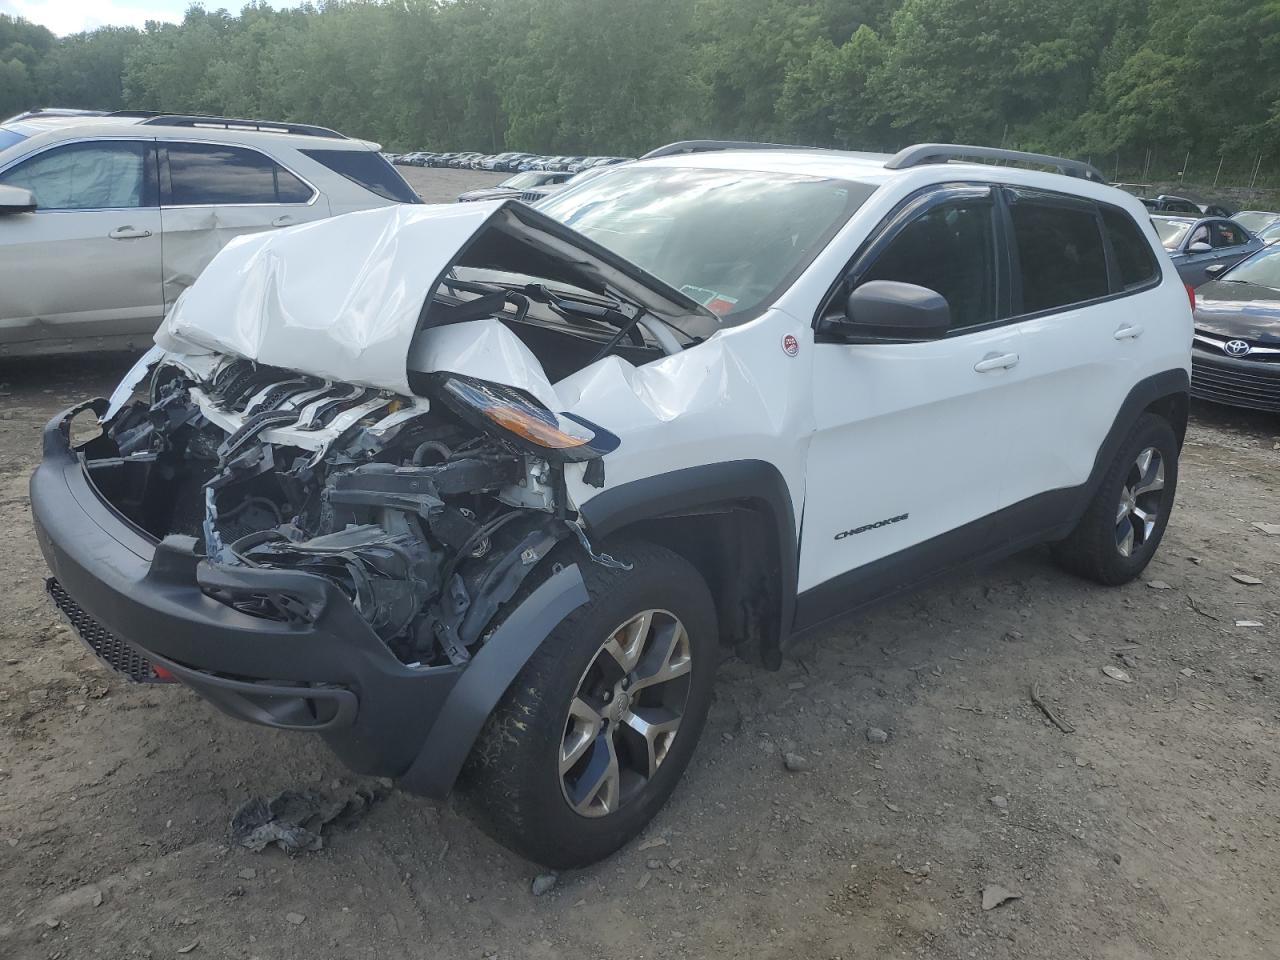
(72, 16)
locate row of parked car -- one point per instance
(510, 162)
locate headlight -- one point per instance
(517, 417)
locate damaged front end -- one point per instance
(427, 512)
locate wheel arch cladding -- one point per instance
(1165, 394)
(734, 522)
(487, 678)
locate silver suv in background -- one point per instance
(105, 220)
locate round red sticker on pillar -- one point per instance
(790, 345)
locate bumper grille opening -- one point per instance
(115, 653)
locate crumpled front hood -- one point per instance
(343, 298)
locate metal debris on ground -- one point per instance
(1270, 529)
(993, 895)
(1158, 585)
(295, 819)
(1115, 673)
(1246, 579)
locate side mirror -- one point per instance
(1215, 268)
(16, 200)
(886, 310)
(1199, 247)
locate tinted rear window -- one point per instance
(1133, 253)
(203, 174)
(368, 169)
(1060, 252)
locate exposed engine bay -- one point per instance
(427, 512)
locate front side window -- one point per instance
(205, 174)
(950, 250)
(1227, 234)
(1199, 235)
(1133, 254)
(1060, 253)
(92, 175)
(729, 239)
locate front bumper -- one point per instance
(124, 592)
(1238, 383)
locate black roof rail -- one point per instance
(922, 153)
(707, 146)
(232, 123)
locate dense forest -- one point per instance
(1129, 83)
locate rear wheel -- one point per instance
(594, 733)
(1124, 523)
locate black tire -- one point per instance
(512, 782)
(1093, 548)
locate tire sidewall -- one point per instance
(555, 833)
(1148, 432)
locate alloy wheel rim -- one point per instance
(1141, 499)
(625, 713)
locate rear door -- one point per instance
(211, 193)
(86, 263)
(1076, 266)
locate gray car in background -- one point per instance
(1202, 248)
(106, 220)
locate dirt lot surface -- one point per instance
(1151, 831)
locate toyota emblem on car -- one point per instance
(1236, 348)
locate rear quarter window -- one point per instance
(1062, 260)
(1133, 254)
(367, 169)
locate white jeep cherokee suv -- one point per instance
(477, 491)
(106, 219)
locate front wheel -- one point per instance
(594, 733)
(1126, 519)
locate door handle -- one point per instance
(282, 221)
(994, 361)
(128, 233)
(1129, 332)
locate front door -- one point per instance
(86, 262)
(906, 464)
(211, 193)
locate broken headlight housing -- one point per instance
(519, 418)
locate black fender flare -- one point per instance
(486, 678)
(1167, 385)
(691, 489)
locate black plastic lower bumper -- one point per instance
(331, 675)
(1239, 383)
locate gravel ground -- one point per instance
(1148, 832)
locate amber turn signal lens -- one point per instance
(531, 428)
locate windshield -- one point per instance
(1262, 268)
(730, 239)
(1255, 220)
(1171, 232)
(9, 137)
(522, 180)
